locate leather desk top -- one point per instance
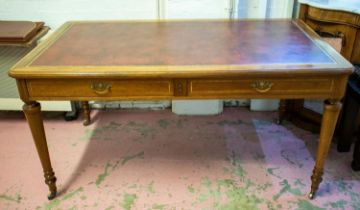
(182, 43)
(178, 46)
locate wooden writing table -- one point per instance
(182, 60)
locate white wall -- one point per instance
(195, 9)
(56, 12)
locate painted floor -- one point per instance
(142, 159)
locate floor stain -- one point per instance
(306, 205)
(17, 198)
(163, 123)
(158, 206)
(101, 177)
(150, 187)
(142, 128)
(289, 156)
(128, 201)
(271, 172)
(127, 158)
(57, 201)
(286, 189)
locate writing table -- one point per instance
(118, 60)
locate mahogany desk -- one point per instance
(182, 60)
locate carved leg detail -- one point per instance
(282, 111)
(328, 124)
(86, 111)
(316, 179)
(32, 112)
(50, 180)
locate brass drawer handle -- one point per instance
(101, 88)
(262, 86)
(337, 34)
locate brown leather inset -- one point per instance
(182, 43)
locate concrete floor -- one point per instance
(142, 159)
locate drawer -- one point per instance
(122, 89)
(345, 32)
(259, 88)
(332, 16)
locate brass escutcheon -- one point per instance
(262, 86)
(101, 88)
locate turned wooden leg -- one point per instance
(282, 110)
(328, 124)
(86, 111)
(32, 112)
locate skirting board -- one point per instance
(16, 105)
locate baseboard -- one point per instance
(16, 104)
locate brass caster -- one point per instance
(86, 122)
(311, 195)
(52, 195)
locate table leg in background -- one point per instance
(328, 124)
(282, 111)
(86, 112)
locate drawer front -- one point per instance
(260, 87)
(100, 88)
(338, 17)
(345, 32)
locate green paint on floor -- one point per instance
(52, 204)
(271, 171)
(17, 198)
(73, 207)
(264, 187)
(306, 205)
(158, 206)
(236, 197)
(298, 182)
(101, 177)
(88, 134)
(288, 156)
(56, 202)
(191, 188)
(340, 204)
(286, 189)
(72, 194)
(127, 158)
(128, 201)
(110, 207)
(150, 187)
(142, 128)
(163, 123)
(179, 124)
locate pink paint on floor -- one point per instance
(142, 159)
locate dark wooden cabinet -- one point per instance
(337, 24)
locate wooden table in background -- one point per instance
(182, 60)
